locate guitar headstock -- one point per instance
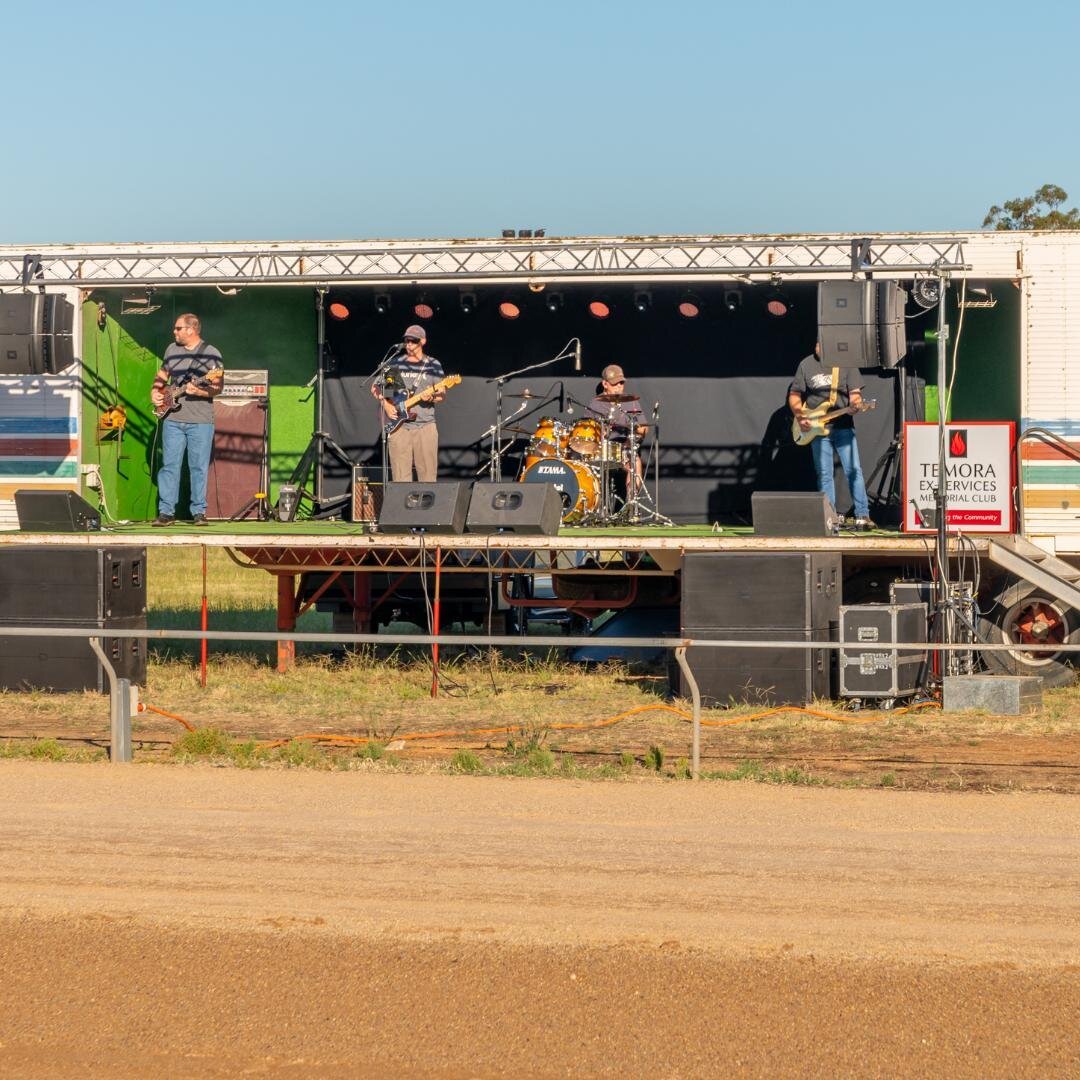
(451, 380)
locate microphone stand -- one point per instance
(384, 366)
(495, 468)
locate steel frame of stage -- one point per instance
(350, 558)
(555, 259)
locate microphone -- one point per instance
(577, 354)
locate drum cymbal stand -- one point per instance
(495, 467)
(639, 508)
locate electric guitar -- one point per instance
(820, 419)
(403, 407)
(173, 391)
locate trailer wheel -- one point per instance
(1024, 614)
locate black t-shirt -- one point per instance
(813, 382)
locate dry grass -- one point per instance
(552, 707)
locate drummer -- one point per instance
(622, 412)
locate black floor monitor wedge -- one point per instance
(525, 509)
(45, 510)
(439, 507)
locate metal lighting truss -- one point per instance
(572, 259)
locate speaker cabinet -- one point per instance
(17, 354)
(84, 585)
(92, 588)
(528, 509)
(46, 510)
(792, 513)
(21, 313)
(35, 333)
(766, 676)
(67, 664)
(861, 323)
(744, 597)
(725, 590)
(441, 507)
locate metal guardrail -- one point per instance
(120, 689)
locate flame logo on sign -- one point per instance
(958, 444)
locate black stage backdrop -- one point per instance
(720, 381)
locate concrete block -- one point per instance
(1002, 695)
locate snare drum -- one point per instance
(586, 437)
(575, 482)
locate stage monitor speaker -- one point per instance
(440, 507)
(528, 509)
(45, 510)
(792, 513)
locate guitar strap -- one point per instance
(832, 389)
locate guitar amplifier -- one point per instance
(367, 497)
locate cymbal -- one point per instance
(618, 399)
(525, 395)
(519, 430)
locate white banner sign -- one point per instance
(978, 470)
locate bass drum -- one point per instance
(574, 481)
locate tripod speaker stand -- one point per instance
(309, 469)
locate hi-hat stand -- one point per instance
(639, 508)
(311, 464)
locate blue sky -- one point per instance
(243, 121)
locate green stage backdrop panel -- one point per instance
(272, 328)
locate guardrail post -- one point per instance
(695, 697)
(119, 709)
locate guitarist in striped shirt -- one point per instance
(815, 385)
(415, 443)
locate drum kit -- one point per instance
(581, 459)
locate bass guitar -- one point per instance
(172, 392)
(820, 418)
(403, 407)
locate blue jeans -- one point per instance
(842, 440)
(198, 441)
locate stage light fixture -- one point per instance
(338, 311)
(689, 306)
(382, 303)
(424, 309)
(509, 310)
(732, 299)
(468, 303)
(540, 233)
(525, 234)
(554, 302)
(508, 234)
(642, 301)
(599, 309)
(926, 292)
(777, 304)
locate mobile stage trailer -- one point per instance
(709, 330)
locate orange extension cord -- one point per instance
(512, 729)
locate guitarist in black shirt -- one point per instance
(814, 386)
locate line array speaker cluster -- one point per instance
(861, 323)
(35, 333)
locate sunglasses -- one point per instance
(412, 341)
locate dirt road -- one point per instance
(213, 922)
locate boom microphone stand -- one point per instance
(571, 349)
(311, 463)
